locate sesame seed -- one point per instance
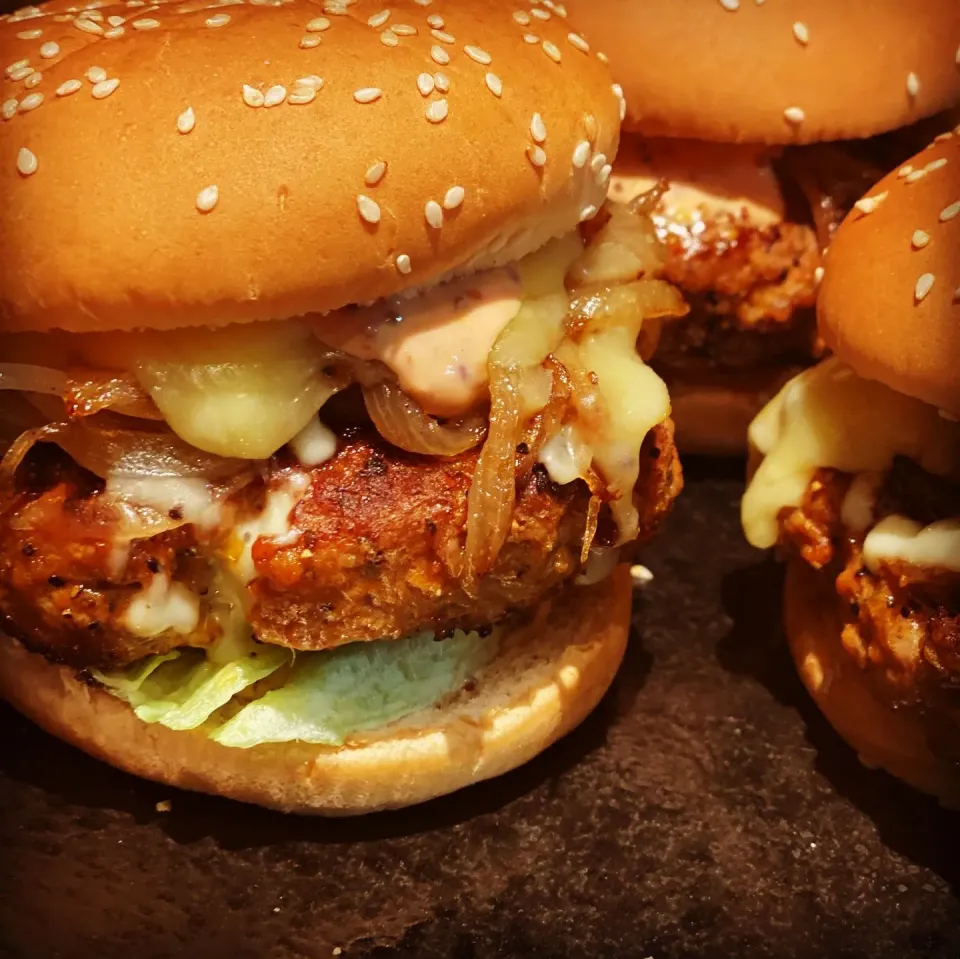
(536, 156)
(378, 19)
(88, 26)
(598, 162)
(116, 21)
(302, 94)
(308, 42)
(434, 214)
(186, 121)
(403, 264)
(275, 96)
(801, 32)
(603, 175)
(494, 84)
(17, 65)
(404, 30)
(602, 57)
(146, 23)
(318, 25)
(530, 38)
(950, 212)
(818, 275)
(869, 203)
(435, 21)
(919, 239)
(22, 73)
(375, 173)
(538, 129)
(522, 18)
(30, 102)
(916, 175)
(311, 80)
(437, 111)
(924, 286)
(551, 50)
(104, 88)
(581, 153)
(90, 14)
(8, 109)
(367, 94)
(730, 4)
(113, 33)
(439, 55)
(590, 127)
(368, 209)
(425, 84)
(218, 20)
(588, 212)
(442, 81)
(480, 56)
(940, 137)
(389, 39)
(913, 84)
(252, 97)
(26, 162)
(905, 171)
(207, 198)
(453, 197)
(68, 87)
(540, 14)
(443, 37)
(575, 40)
(936, 164)
(33, 80)
(49, 50)
(29, 34)
(794, 115)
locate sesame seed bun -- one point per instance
(157, 197)
(889, 303)
(545, 680)
(884, 734)
(743, 71)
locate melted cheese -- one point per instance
(193, 497)
(830, 417)
(705, 179)
(565, 455)
(437, 343)
(163, 607)
(897, 539)
(857, 509)
(272, 522)
(314, 444)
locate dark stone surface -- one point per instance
(704, 809)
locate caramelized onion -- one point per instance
(401, 421)
(90, 391)
(32, 379)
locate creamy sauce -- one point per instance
(705, 179)
(314, 444)
(437, 343)
(162, 607)
(830, 417)
(273, 522)
(857, 509)
(565, 455)
(897, 539)
(191, 496)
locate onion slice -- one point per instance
(91, 391)
(402, 422)
(28, 378)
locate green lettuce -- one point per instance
(324, 696)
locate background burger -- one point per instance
(218, 222)
(860, 480)
(740, 105)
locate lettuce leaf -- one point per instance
(325, 696)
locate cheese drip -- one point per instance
(830, 417)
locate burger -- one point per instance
(768, 120)
(327, 425)
(858, 480)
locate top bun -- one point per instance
(137, 118)
(889, 304)
(731, 69)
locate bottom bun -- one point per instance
(712, 415)
(545, 679)
(884, 736)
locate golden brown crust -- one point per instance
(706, 70)
(545, 680)
(889, 304)
(106, 233)
(895, 739)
